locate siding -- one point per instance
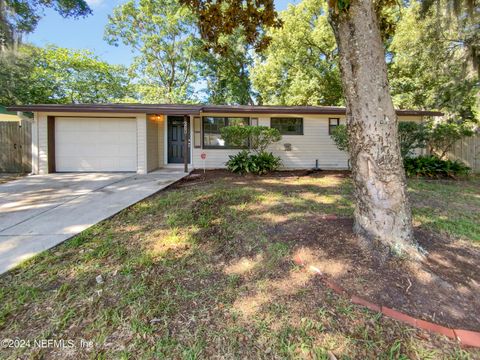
(152, 144)
(161, 141)
(314, 144)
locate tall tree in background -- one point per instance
(382, 212)
(300, 64)
(430, 67)
(162, 35)
(59, 75)
(227, 75)
(19, 17)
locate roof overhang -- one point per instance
(189, 109)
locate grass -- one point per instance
(447, 206)
(196, 272)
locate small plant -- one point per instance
(246, 163)
(340, 136)
(258, 138)
(412, 136)
(442, 136)
(434, 167)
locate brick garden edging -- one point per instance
(464, 337)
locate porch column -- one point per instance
(186, 119)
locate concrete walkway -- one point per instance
(39, 212)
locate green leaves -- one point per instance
(163, 37)
(258, 137)
(428, 68)
(299, 67)
(432, 166)
(59, 75)
(246, 163)
(412, 135)
(340, 137)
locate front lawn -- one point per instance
(204, 270)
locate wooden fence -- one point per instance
(468, 151)
(16, 146)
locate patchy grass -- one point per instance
(448, 206)
(193, 272)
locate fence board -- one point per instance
(468, 151)
(16, 146)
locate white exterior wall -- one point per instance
(42, 130)
(35, 144)
(142, 149)
(152, 144)
(315, 143)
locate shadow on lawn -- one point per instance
(205, 271)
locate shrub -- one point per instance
(443, 135)
(340, 137)
(258, 137)
(434, 167)
(246, 163)
(411, 136)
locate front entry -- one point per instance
(176, 140)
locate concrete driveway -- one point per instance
(39, 212)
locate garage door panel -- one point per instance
(95, 144)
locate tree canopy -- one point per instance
(59, 75)
(162, 35)
(300, 65)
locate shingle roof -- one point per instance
(191, 109)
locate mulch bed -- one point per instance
(198, 176)
(443, 289)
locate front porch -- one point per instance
(168, 142)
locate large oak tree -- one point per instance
(383, 218)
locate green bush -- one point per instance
(432, 166)
(246, 163)
(258, 138)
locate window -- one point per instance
(332, 123)
(211, 130)
(288, 126)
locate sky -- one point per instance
(87, 33)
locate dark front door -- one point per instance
(176, 140)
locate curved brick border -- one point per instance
(464, 337)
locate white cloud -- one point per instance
(94, 3)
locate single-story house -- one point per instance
(142, 138)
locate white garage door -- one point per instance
(95, 144)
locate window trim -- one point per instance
(226, 121)
(289, 134)
(330, 124)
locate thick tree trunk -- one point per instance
(382, 214)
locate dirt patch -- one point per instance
(444, 288)
(199, 177)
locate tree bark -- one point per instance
(382, 214)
